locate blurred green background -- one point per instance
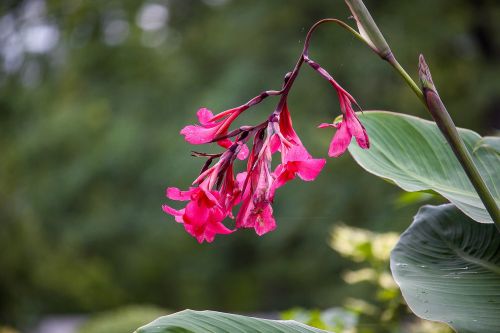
(93, 95)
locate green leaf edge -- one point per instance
(177, 316)
(484, 142)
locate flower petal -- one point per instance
(197, 135)
(297, 153)
(173, 193)
(265, 222)
(243, 153)
(286, 126)
(275, 143)
(205, 117)
(310, 169)
(240, 179)
(219, 228)
(225, 143)
(195, 214)
(282, 177)
(356, 129)
(340, 141)
(177, 214)
(325, 125)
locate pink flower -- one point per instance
(256, 211)
(230, 192)
(209, 129)
(257, 215)
(347, 128)
(294, 156)
(286, 127)
(202, 217)
(207, 208)
(242, 154)
(297, 161)
(350, 126)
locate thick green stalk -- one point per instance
(394, 63)
(368, 28)
(449, 130)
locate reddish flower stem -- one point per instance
(287, 86)
(303, 56)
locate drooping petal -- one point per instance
(219, 228)
(340, 141)
(296, 153)
(177, 214)
(214, 223)
(283, 176)
(308, 170)
(297, 161)
(209, 130)
(356, 129)
(243, 218)
(173, 193)
(195, 213)
(265, 221)
(197, 231)
(205, 117)
(209, 198)
(203, 216)
(197, 135)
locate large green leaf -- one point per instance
(412, 153)
(189, 321)
(448, 268)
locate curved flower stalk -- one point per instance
(217, 191)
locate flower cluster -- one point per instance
(217, 190)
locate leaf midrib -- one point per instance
(466, 257)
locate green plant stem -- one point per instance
(449, 130)
(413, 86)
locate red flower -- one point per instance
(209, 129)
(202, 217)
(297, 161)
(348, 127)
(256, 211)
